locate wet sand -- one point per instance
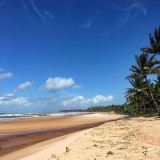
(28, 131)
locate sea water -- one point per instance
(13, 116)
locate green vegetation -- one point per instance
(144, 96)
(119, 109)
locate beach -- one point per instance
(101, 137)
(26, 132)
(127, 139)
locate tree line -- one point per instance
(121, 109)
(144, 94)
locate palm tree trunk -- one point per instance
(151, 95)
(139, 106)
(144, 108)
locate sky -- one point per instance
(70, 54)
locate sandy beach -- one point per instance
(124, 139)
(127, 139)
(21, 133)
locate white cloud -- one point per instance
(101, 99)
(1, 98)
(23, 86)
(53, 102)
(15, 102)
(77, 101)
(81, 101)
(10, 100)
(1, 69)
(10, 95)
(6, 75)
(57, 83)
(77, 86)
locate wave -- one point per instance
(9, 116)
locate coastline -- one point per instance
(30, 131)
(123, 139)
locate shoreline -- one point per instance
(124, 139)
(60, 114)
(24, 133)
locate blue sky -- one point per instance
(65, 54)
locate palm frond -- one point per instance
(135, 69)
(152, 42)
(147, 50)
(137, 60)
(151, 60)
(157, 35)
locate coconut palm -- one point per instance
(138, 91)
(156, 89)
(146, 66)
(154, 42)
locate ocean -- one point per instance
(12, 116)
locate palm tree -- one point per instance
(154, 42)
(138, 91)
(146, 66)
(156, 89)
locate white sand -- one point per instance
(128, 139)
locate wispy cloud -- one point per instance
(127, 11)
(44, 15)
(25, 7)
(49, 15)
(135, 5)
(87, 24)
(37, 11)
